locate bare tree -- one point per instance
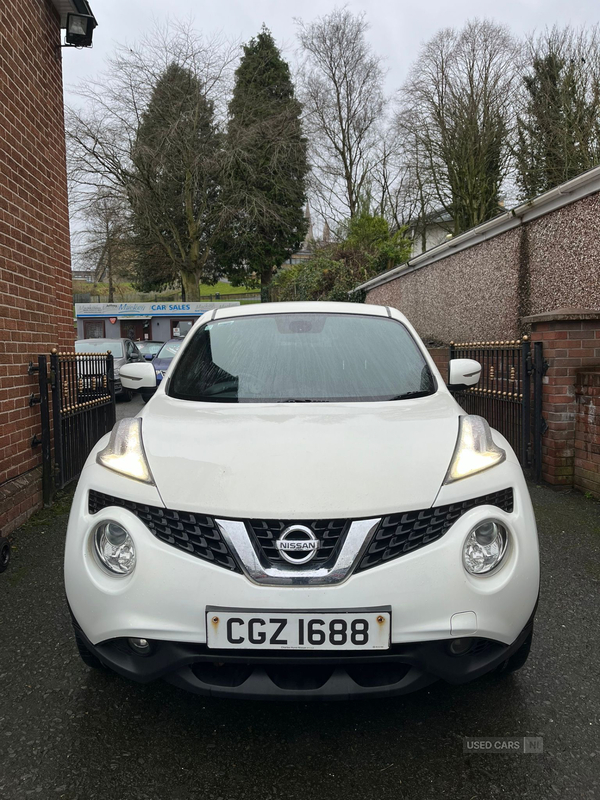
(341, 89)
(168, 175)
(399, 192)
(103, 241)
(458, 109)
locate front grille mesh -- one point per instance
(396, 535)
(197, 534)
(399, 534)
(329, 532)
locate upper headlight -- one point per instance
(475, 449)
(124, 452)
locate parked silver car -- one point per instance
(124, 351)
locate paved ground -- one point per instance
(130, 409)
(67, 732)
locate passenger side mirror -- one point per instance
(463, 372)
(138, 376)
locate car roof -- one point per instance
(301, 308)
(106, 339)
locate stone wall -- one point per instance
(483, 292)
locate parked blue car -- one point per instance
(161, 363)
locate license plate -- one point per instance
(228, 628)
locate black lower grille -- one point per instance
(399, 534)
(196, 534)
(329, 532)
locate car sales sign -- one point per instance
(158, 309)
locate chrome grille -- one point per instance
(329, 532)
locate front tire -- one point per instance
(126, 395)
(88, 658)
(518, 658)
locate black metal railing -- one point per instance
(83, 404)
(79, 390)
(509, 392)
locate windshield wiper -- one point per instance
(301, 400)
(407, 395)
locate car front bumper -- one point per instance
(306, 676)
(164, 600)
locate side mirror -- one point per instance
(462, 373)
(149, 356)
(138, 376)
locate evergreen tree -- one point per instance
(174, 185)
(558, 132)
(265, 179)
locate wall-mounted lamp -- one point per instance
(80, 28)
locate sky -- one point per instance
(397, 27)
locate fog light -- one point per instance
(141, 647)
(114, 547)
(485, 547)
(458, 647)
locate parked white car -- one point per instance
(302, 511)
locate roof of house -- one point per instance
(583, 185)
(65, 7)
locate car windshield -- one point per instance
(301, 358)
(149, 348)
(100, 346)
(169, 350)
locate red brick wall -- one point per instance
(587, 432)
(441, 356)
(570, 346)
(35, 285)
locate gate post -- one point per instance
(526, 408)
(538, 422)
(110, 371)
(56, 417)
(47, 476)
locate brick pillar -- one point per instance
(441, 357)
(571, 340)
(587, 432)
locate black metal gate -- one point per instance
(83, 410)
(509, 393)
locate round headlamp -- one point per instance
(485, 547)
(114, 547)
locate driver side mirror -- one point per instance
(138, 376)
(463, 372)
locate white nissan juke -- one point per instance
(302, 511)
